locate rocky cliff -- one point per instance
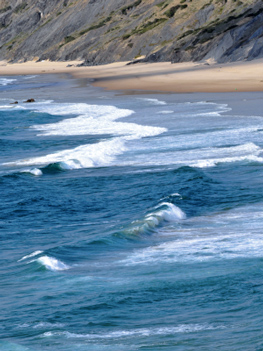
(102, 31)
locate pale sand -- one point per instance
(162, 76)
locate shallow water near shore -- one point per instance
(129, 222)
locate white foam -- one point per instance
(165, 212)
(6, 81)
(166, 112)
(29, 77)
(33, 171)
(85, 156)
(33, 254)
(40, 325)
(52, 263)
(168, 212)
(224, 236)
(199, 157)
(142, 332)
(7, 107)
(153, 101)
(93, 120)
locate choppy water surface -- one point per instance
(130, 223)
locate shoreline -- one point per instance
(161, 77)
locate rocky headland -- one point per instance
(105, 31)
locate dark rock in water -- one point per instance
(14, 103)
(29, 100)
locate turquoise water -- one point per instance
(130, 223)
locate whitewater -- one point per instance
(129, 222)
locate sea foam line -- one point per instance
(91, 120)
(142, 332)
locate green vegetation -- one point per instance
(96, 26)
(68, 39)
(161, 4)
(5, 9)
(129, 7)
(205, 5)
(145, 27)
(20, 7)
(113, 29)
(172, 10)
(185, 34)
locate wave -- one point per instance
(33, 171)
(222, 236)
(153, 101)
(7, 81)
(49, 262)
(199, 157)
(85, 156)
(165, 112)
(33, 254)
(142, 332)
(52, 263)
(163, 213)
(40, 325)
(92, 120)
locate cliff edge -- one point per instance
(104, 31)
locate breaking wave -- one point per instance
(163, 213)
(7, 81)
(52, 263)
(92, 120)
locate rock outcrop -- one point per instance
(103, 31)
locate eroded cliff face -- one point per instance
(103, 31)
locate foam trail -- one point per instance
(6, 81)
(165, 112)
(33, 254)
(52, 263)
(154, 101)
(92, 120)
(198, 157)
(142, 332)
(206, 239)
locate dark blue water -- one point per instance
(130, 223)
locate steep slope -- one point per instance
(102, 31)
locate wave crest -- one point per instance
(164, 212)
(52, 263)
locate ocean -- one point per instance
(129, 221)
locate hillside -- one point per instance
(102, 31)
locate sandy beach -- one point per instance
(155, 77)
